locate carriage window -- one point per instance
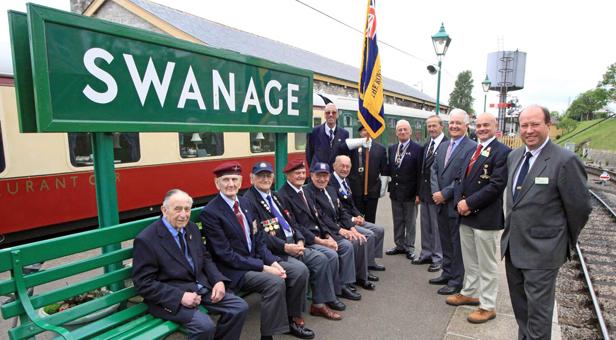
(126, 148)
(201, 144)
(262, 142)
(391, 130)
(2, 160)
(300, 137)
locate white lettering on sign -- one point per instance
(112, 86)
(150, 77)
(268, 88)
(292, 99)
(219, 86)
(252, 98)
(191, 81)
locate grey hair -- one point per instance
(175, 192)
(403, 121)
(440, 120)
(341, 156)
(466, 119)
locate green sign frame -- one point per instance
(91, 75)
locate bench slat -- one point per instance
(143, 327)
(124, 328)
(159, 331)
(44, 299)
(30, 329)
(56, 273)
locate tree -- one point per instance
(567, 125)
(587, 103)
(609, 82)
(461, 96)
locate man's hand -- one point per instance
(294, 250)
(359, 236)
(417, 202)
(218, 291)
(359, 220)
(438, 198)
(191, 300)
(347, 234)
(331, 243)
(278, 271)
(463, 208)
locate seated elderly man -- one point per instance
(241, 254)
(374, 233)
(285, 240)
(175, 274)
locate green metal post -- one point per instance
(438, 88)
(281, 159)
(485, 99)
(106, 193)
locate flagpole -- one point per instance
(367, 166)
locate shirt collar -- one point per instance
(327, 129)
(537, 151)
(294, 188)
(486, 143)
(457, 141)
(264, 195)
(405, 143)
(172, 230)
(229, 201)
(340, 180)
(438, 139)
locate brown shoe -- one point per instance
(459, 300)
(300, 322)
(325, 312)
(481, 316)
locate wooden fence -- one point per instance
(512, 142)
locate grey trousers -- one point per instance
(404, 224)
(232, 311)
(360, 252)
(532, 294)
(279, 298)
(430, 239)
(341, 263)
(375, 234)
(321, 279)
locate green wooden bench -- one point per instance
(133, 322)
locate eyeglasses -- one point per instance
(331, 112)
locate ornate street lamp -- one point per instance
(486, 87)
(441, 41)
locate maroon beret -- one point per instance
(228, 168)
(295, 164)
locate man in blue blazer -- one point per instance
(175, 274)
(478, 197)
(327, 140)
(405, 171)
(241, 254)
(448, 161)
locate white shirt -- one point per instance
(437, 141)
(231, 204)
(327, 129)
(534, 154)
(404, 145)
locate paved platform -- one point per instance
(403, 306)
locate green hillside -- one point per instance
(601, 136)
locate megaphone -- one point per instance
(432, 69)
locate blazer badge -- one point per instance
(485, 173)
(486, 152)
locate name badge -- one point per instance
(542, 180)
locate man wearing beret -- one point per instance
(285, 240)
(237, 246)
(316, 234)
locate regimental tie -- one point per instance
(474, 159)
(449, 152)
(522, 175)
(301, 194)
(182, 244)
(430, 154)
(240, 218)
(346, 187)
(281, 219)
(400, 154)
(331, 138)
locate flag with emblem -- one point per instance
(370, 80)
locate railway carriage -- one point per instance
(47, 180)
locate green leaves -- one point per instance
(461, 96)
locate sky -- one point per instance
(568, 43)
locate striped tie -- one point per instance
(474, 159)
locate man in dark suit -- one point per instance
(548, 204)
(367, 204)
(478, 197)
(431, 251)
(316, 234)
(188, 278)
(449, 159)
(237, 246)
(285, 240)
(327, 140)
(375, 234)
(338, 221)
(405, 170)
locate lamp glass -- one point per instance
(486, 84)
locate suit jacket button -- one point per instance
(396, 183)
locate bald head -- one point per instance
(485, 126)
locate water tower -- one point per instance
(506, 71)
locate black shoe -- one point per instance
(336, 305)
(377, 268)
(349, 295)
(352, 288)
(267, 337)
(435, 267)
(365, 284)
(421, 261)
(300, 332)
(448, 290)
(438, 281)
(372, 277)
(394, 251)
(410, 255)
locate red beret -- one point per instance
(228, 168)
(295, 164)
